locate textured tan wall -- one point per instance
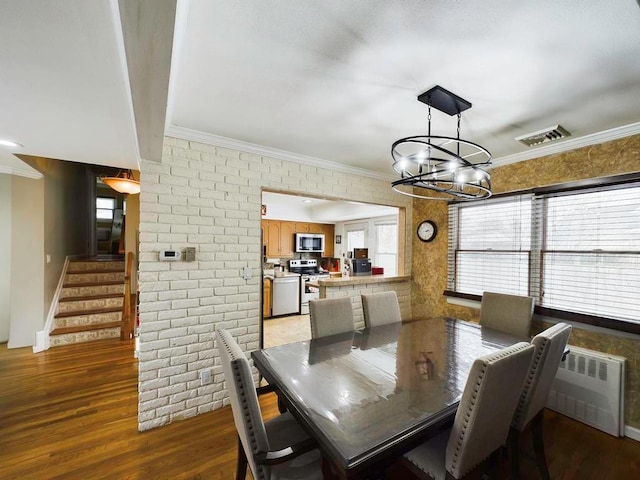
(429, 261)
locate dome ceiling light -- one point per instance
(123, 183)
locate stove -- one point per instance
(304, 267)
(309, 272)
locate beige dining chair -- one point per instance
(550, 347)
(380, 308)
(482, 420)
(330, 316)
(508, 313)
(275, 449)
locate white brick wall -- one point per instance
(209, 197)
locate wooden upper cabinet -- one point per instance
(286, 239)
(329, 239)
(272, 238)
(301, 227)
(316, 228)
(278, 235)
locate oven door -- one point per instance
(307, 293)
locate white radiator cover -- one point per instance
(589, 387)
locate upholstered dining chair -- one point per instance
(483, 417)
(330, 316)
(275, 449)
(508, 313)
(380, 308)
(550, 348)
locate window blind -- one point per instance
(574, 251)
(590, 256)
(490, 246)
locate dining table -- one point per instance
(369, 396)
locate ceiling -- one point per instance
(329, 82)
(318, 210)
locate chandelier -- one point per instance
(436, 167)
(124, 183)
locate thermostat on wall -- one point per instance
(170, 255)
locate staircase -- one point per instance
(91, 302)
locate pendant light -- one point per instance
(438, 167)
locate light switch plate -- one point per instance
(190, 254)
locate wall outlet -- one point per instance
(205, 377)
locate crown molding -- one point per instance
(21, 173)
(570, 144)
(564, 146)
(225, 142)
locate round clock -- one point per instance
(427, 231)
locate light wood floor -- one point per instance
(70, 413)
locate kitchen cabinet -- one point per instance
(278, 237)
(316, 228)
(329, 240)
(266, 298)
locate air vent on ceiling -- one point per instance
(545, 135)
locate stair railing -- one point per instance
(126, 328)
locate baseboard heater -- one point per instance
(589, 387)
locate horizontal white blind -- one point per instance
(489, 246)
(590, 254)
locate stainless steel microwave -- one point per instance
(309, 242)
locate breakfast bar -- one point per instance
(354, 286)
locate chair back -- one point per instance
(550, 346)
(244, 401)
(380, 308)
(330, 316)
(489, 399)
(507, 313)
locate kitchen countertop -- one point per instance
(359, 280)
(286, 274)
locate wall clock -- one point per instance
(427, 231)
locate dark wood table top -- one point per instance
(371, 395)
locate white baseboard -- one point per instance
(42, 341)
(632, 432)
(42, 337)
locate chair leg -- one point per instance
(538, 445)
(241, 466)
(282, 407)
(513, 446)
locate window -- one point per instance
(577, 252)
(105, 207)
(591, 254)
(356, 236)
(491, 247)
(386, 247)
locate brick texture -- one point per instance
(210, 198)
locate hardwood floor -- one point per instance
(70, 413)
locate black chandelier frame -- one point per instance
(428, 163)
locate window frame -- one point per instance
(539, 248)
(376, 252)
